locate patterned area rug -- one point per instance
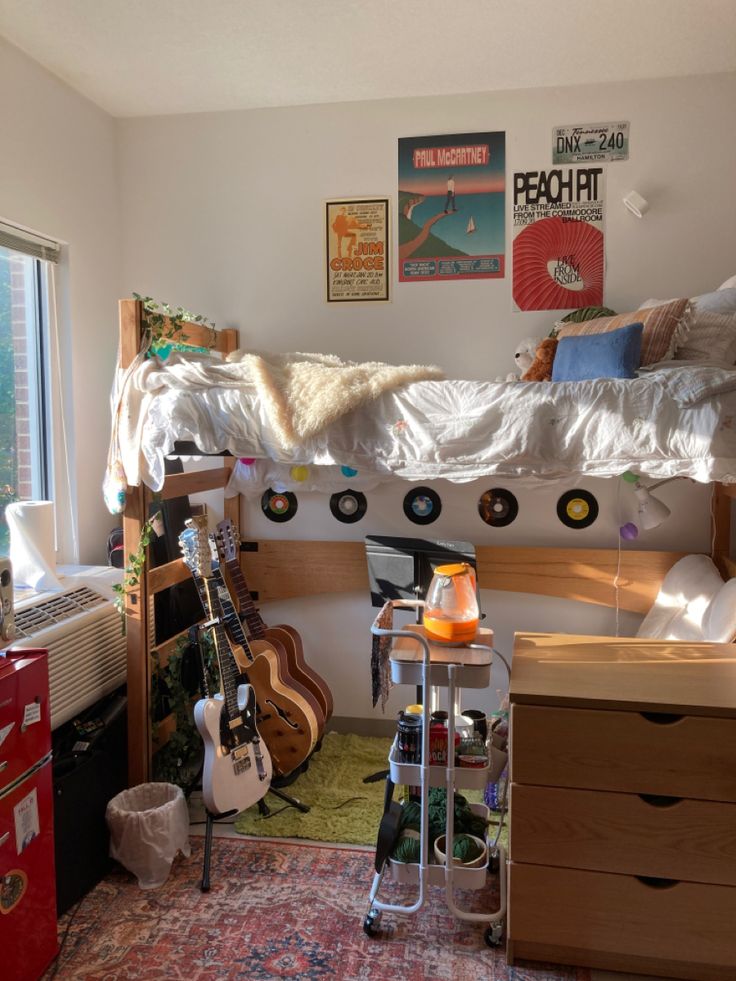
(276, 911)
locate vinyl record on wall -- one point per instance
(348, 506)
(498, 507)
(422, 505)
(279, 507)
(577, 509)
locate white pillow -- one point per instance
(722, 301)
(693, 604)
(729, 284)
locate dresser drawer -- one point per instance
(679, 756)
(618, 922)
(693, 840)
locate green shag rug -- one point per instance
(343, 809)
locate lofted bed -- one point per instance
(692, 410)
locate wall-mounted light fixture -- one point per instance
(636, 204)
(651, 512)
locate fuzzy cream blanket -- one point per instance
(304, 393)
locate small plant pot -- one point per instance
(476, 863)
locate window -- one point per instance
(25, 462)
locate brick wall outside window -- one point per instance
(24, 473)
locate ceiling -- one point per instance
(150, 57)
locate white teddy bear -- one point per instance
(524, 356)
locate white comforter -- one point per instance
(677, 420)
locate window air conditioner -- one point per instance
(82, 632)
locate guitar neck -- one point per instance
(256, 626)
(230, 614)
(229, 672)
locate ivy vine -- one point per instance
(166, 323)
(173, 690)
(134, 569)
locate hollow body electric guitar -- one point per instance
(285, 717)
(237, 765)
(283, 635)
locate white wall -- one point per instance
(223, 213)
(58, 175)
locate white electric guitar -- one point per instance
(237, 766)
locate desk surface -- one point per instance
(624, 673)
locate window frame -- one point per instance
(43, 395)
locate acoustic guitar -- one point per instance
(285, 718)
(229, 545)
(237, 766)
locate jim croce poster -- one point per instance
(452, 193)
(558, 250)
(357, 239)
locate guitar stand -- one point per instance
(265, 811)
(211, 818)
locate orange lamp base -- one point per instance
(449, 631)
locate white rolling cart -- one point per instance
(415, 660)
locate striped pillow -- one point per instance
(660, 329)
(710, 337)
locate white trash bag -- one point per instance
(148, 825)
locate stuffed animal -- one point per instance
(541, 367)
(525, 352)
(523, 355)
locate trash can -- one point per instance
(148, 825)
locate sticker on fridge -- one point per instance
(31, 714)
(558, 243)
(452, 193)
(27, 825)
(590, 142)
(357, 240)
(13, 885)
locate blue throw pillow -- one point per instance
(614, 354)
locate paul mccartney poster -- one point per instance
(452, 192)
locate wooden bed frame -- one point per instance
(275, 569)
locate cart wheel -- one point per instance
(371, 922)
(494, 863)
(493, 935)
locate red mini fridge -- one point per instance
(28, 941)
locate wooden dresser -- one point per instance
(623, 805)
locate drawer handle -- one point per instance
(661, 718)
(659, 800)
(654, 882)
